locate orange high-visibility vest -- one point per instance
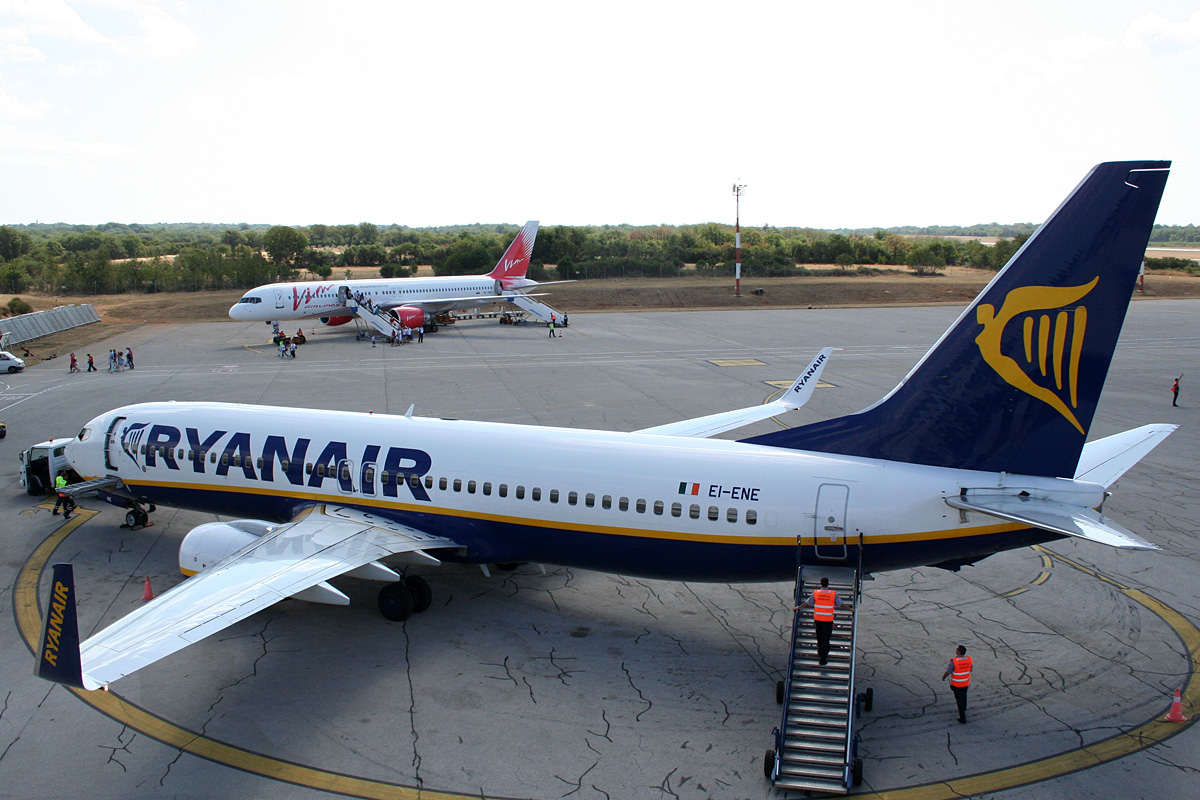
(961, 676)
(823, 604)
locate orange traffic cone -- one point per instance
(148, 594)
(1176, 712)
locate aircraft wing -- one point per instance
(323, 542)
(1049, 515)
(449, 303)
(797, 395)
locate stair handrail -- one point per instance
(851, 698)
(395, 326)
(797, 599)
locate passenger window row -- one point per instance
(658, 507)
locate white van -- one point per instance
(10, 362)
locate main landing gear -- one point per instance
(400, 600)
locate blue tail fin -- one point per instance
(58, 653)
(1013, 384)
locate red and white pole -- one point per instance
(737, 240)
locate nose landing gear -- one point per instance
(138, 517)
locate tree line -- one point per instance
(113, 258)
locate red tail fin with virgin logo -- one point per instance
(515, 262)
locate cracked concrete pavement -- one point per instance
(579, 684)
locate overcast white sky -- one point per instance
(848, 114)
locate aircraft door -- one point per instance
(343, 294)
(278, 298)
(112, 444)
(829, 532)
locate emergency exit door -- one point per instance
(830, 521)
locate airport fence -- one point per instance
(27, 327)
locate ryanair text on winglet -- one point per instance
(54, 627)
(808, 373)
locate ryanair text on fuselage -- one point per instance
(149, 444)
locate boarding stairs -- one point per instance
(534, 308)
(815, 745)
(110, 483)
(377, 318)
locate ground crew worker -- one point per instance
(64, 501)
(823, 601)
(1175, 392)
(959, 672)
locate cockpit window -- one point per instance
(250, 300)
(84, 434)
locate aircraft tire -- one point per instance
(396, 601)
(422, 595)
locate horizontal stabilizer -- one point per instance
(1105, 460)
(797, 395)
(1049, 515)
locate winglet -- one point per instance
(797, 395)
(802, 389)
(58, 653)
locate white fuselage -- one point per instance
(653, 505)
(308, 299)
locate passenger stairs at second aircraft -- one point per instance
(816, 748)
(377, 318)
(535, 308)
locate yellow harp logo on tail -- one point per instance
(1045, 338)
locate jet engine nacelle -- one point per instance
(409, 316)
(207, 544)
(331, 321)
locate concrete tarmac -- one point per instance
(569, 683)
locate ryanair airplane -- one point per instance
(980, 449)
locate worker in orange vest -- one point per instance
(959, 673)
(823, 601)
